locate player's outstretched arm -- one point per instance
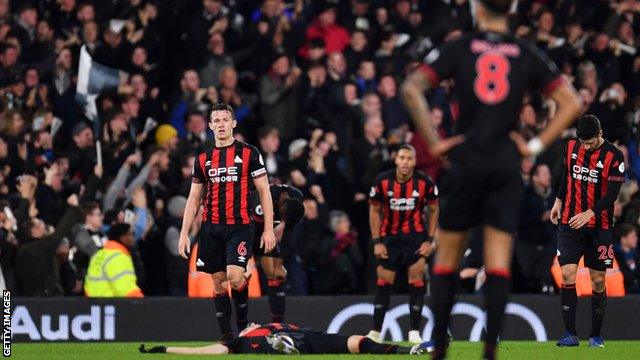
(192, 206)
(268, 239)
(215, 349)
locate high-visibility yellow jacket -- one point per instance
(111, 273)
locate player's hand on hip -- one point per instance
(580, 220)
(268, 241)
(184, 246)
(380, 251)
(425, 249)
(442, 147)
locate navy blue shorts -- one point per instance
(401, 250)
(596, 245)
(221, 245)
(481, 189)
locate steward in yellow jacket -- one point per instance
(111, 272)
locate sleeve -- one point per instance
(197, 176)
(438, 64)
(256, 164)
(375, 194)
(617, 169)
(615, 180)
(432, 192)
(544, 73)
(254, 205)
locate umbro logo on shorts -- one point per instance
(242, 259)
(199, 262)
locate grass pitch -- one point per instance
(618, 350)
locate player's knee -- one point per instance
(568, 276)
(598, 283)
(219, 287)
(270, 272)
(236, 281)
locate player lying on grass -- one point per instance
(281, 338)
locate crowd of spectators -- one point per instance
(315, 86)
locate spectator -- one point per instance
(366, 77)
(336, 68)
(628, 256)
(343, 256)
(535, 247)
(325, 27)
(231, 94)
(269, 140)
(177, 269)
(8, 246)
(116, 50)
(393, 111)
(278, 105)
(82, 152)
(426, 162)
(217, 60)
(36, 271)
(357, 51)
(111, 271)
(314, 96)
(25, 29)
(86, 237)
(369, 155)
(197, 133)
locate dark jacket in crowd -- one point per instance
(36, 269)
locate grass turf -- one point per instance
(618, 350)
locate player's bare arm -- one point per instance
(428, 246)
(569, 108)
(215, 349)
(268, 239)
(375, 219)
(413, 90)
(190, 210)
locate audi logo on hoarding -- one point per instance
(392, 326)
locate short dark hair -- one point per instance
(623, 230)
(223, 107)
(587, 127)
(535, 167)
(117, 231)
(266, 130)
(497, 7)
(88, 207)
(407, 147)
(293, 211)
